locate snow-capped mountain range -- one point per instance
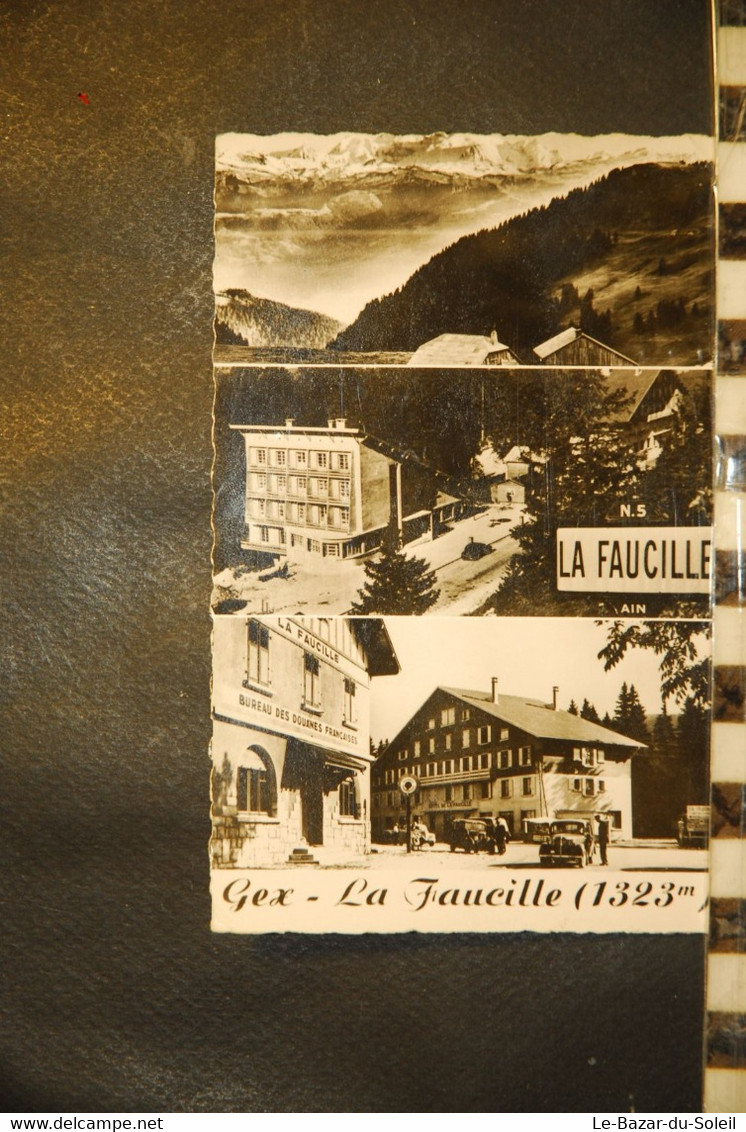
(304, 158)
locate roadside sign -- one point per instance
(408, 784)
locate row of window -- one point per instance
(588, 786)
(258, 673)
(277, 483)
(482, 737)
(317, 514)
(462, 792)
(299, 458)
(315, 546)
(272, 536)
(468, 792)
(589, 756)
(464, 764)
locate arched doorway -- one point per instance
(256, 783)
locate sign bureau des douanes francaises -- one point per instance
(634, 559)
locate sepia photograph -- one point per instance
(507, 491)
(215, 895)
(464, 249)
(392, 744)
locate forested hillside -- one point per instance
(243, 319)
(644, 233)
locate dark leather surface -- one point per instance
(115, 994)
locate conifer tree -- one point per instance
(664, 734)
(588, 467)
(573, 708)
(589, 712)
(396, 583)
(629, 715)
(692, 735)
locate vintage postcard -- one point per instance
(459, 774)
(463, 532)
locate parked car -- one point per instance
(474, 550)
(422, 836)
(536, 829)
(570, 843)
(693, 828)
(471, 835)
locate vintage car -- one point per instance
(536, 829)
(570, 840)
(475, 550)
(422, 836)
(693, 828)
(471, 835)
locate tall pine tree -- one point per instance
(664, 734)
(589, 712)
(588, 466)
(629, 715)
(396, 584)
(693, 738)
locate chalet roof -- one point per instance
(521, 454)
(373, 635)
(393, 451)
(457, 349)
(542, 720)
(442, 498)
(638, 384)
(447, 485)
(566, 337)
(489, 463)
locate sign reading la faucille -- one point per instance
(634, 559)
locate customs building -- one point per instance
(291, 740)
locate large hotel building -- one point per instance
(485, 754)
(333, 492)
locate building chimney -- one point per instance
(337, 422)
(495, 698)
(555, 693)
(289, 422)
(493, 337)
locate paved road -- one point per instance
(330, 587)
(642, 857)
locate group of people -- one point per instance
(498, 830)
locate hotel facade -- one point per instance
(334, 492)
(483, 754)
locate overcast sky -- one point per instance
(528, 655)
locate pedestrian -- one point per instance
(502, 835)
(490, 833)
(603, 838)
